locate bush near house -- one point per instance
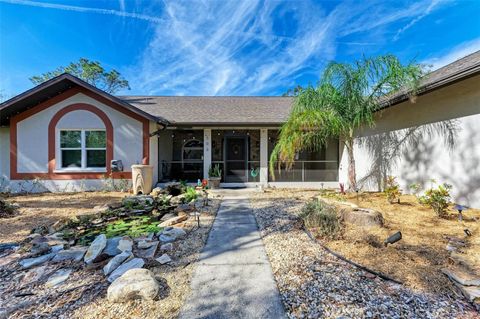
(438, 199)
(392, 190)
(322, 218)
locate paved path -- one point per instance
(233, 278)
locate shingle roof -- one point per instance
(215, 110)
(458, 70)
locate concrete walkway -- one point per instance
(233, 278)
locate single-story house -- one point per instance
(64, 133)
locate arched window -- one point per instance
(192, 151)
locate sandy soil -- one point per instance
(45, 209)
(417, 259)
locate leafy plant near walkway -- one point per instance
(190, 194)
(344, 101)
(438, 199)
(322, 218)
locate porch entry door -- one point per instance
(236, 157)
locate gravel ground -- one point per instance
(83, 295)
(315, 284)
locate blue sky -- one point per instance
(226, 47)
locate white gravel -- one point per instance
(315, 284)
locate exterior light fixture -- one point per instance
(460, 209)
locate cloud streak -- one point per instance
(86, 9)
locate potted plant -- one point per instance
(214, 176)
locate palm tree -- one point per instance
(345, 100)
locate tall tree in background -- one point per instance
(344, 100)
(91, 72)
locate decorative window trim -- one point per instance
(83, 148)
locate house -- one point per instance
(65, 133)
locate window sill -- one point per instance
(84, 170)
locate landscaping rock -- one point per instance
(33, 275)
(58, 277)
(123, 268)
(462, 277)
(75, 254)
(56, 248)
(183, 208)
(144, 244)
(115, 262)
(101, 209)
(95, 249)
(125, 244)
(156, 191)
(164, 259)
(173, 221)
(7, 260)
(111, 249)
(134, 284)
(168, 236)
(58, 225)
(167, 247)
(362, 217)
(149, 252)
(30, 262)
(472, 293)
(8, 246)
(40, 248)
(138, 200)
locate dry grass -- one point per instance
(45, 209)
(417, 259)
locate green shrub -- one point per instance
(438, 199)
(190, 194)
(321, 216)
(215, 171)
(392, 190)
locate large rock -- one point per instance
(123, 268)
(362, 217)
(171, 234)
(30, 262)
(125, 244)
(134, 284)
(95, 249)
(115, 262)
(75, 254)
(58, 277)
(111, 249)
(173, 221)
(149, 252)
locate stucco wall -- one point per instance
(32, 134)
(425, 155)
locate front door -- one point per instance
(236, 159)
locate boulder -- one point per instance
(123, 268)
(362, 217)
(116, 261)
(134, 284)
(95, 249)
(164, 259)
(173, 221)
(75, 254)
(111, 249)
(125, 244)
(30, 262)
(58, 277)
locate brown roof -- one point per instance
(215, 110)
(460, 69)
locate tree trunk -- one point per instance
(352, 176)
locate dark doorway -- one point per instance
(236, 159)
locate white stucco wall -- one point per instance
(427, 156)
(32, 134)
(4, 156)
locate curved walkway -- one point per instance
(233, 278)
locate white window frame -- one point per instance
(83, 149)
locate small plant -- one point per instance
(392, 190)
(322, 217)
(438, 199)
(415, 188)
(215, 171)
(190, 194)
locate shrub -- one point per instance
(321, 216)
(190, 194)
(392, 190)
(438, 199)
(215, 171)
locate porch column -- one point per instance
(263, 156)
(207, 151)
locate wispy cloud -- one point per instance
(454, 54)
(64, 7)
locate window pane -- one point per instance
(71, 158)
(96, 139)
(70, 139)
(96, 158)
